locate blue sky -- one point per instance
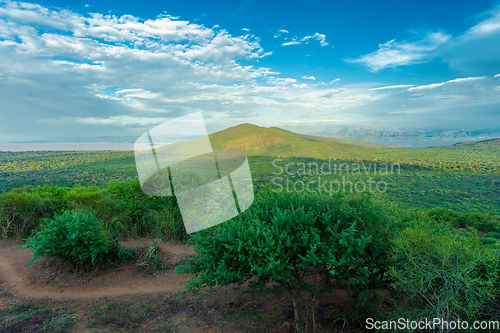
(115, 68)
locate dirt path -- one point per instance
(45, 282)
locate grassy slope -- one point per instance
(276, 142)
(460, 177)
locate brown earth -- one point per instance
(43, 280)
(122, 299)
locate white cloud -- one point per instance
(314, 121)
(393, 53)
(95, 75)
(91, 70)
(138, 93)
(308, 77)
(397, 86)
(489, 26)
(474, 52)
(293, 42)
(497, 75)
(321, 38)
(121, 121)
(280, 32)
(440, 84)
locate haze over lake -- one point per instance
(62, 146)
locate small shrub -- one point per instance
(151, 260)
(76, 239)
(481, 221)
(443, 215)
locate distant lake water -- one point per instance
(66, 146)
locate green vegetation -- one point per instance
(122, 207)
(452, 275)
(483, 157)
(460, 177)
(428, 246)
(64, 168)
(308, 244)
(78, 240)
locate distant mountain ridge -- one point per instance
(448, 134)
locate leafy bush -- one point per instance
(443, 215)
(22, 210)
(146, 216)
(300, 243)
(122, 206)
(480, 221)
(76, 239)
(151, 260)
(451, 275)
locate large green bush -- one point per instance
(299, 243)
(76, 239)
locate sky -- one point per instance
(97, 69)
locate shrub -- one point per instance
(481, 221)
(122, 206)
(151, 260)
(452, 275)
(77, 239)
(21, 211)
(146, 216)
(443, 215)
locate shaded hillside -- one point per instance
(480, 152)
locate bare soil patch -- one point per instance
(46, 279)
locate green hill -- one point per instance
(482, 156)
(277, 142)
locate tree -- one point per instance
(298, 243)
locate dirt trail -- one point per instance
(42, 282)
